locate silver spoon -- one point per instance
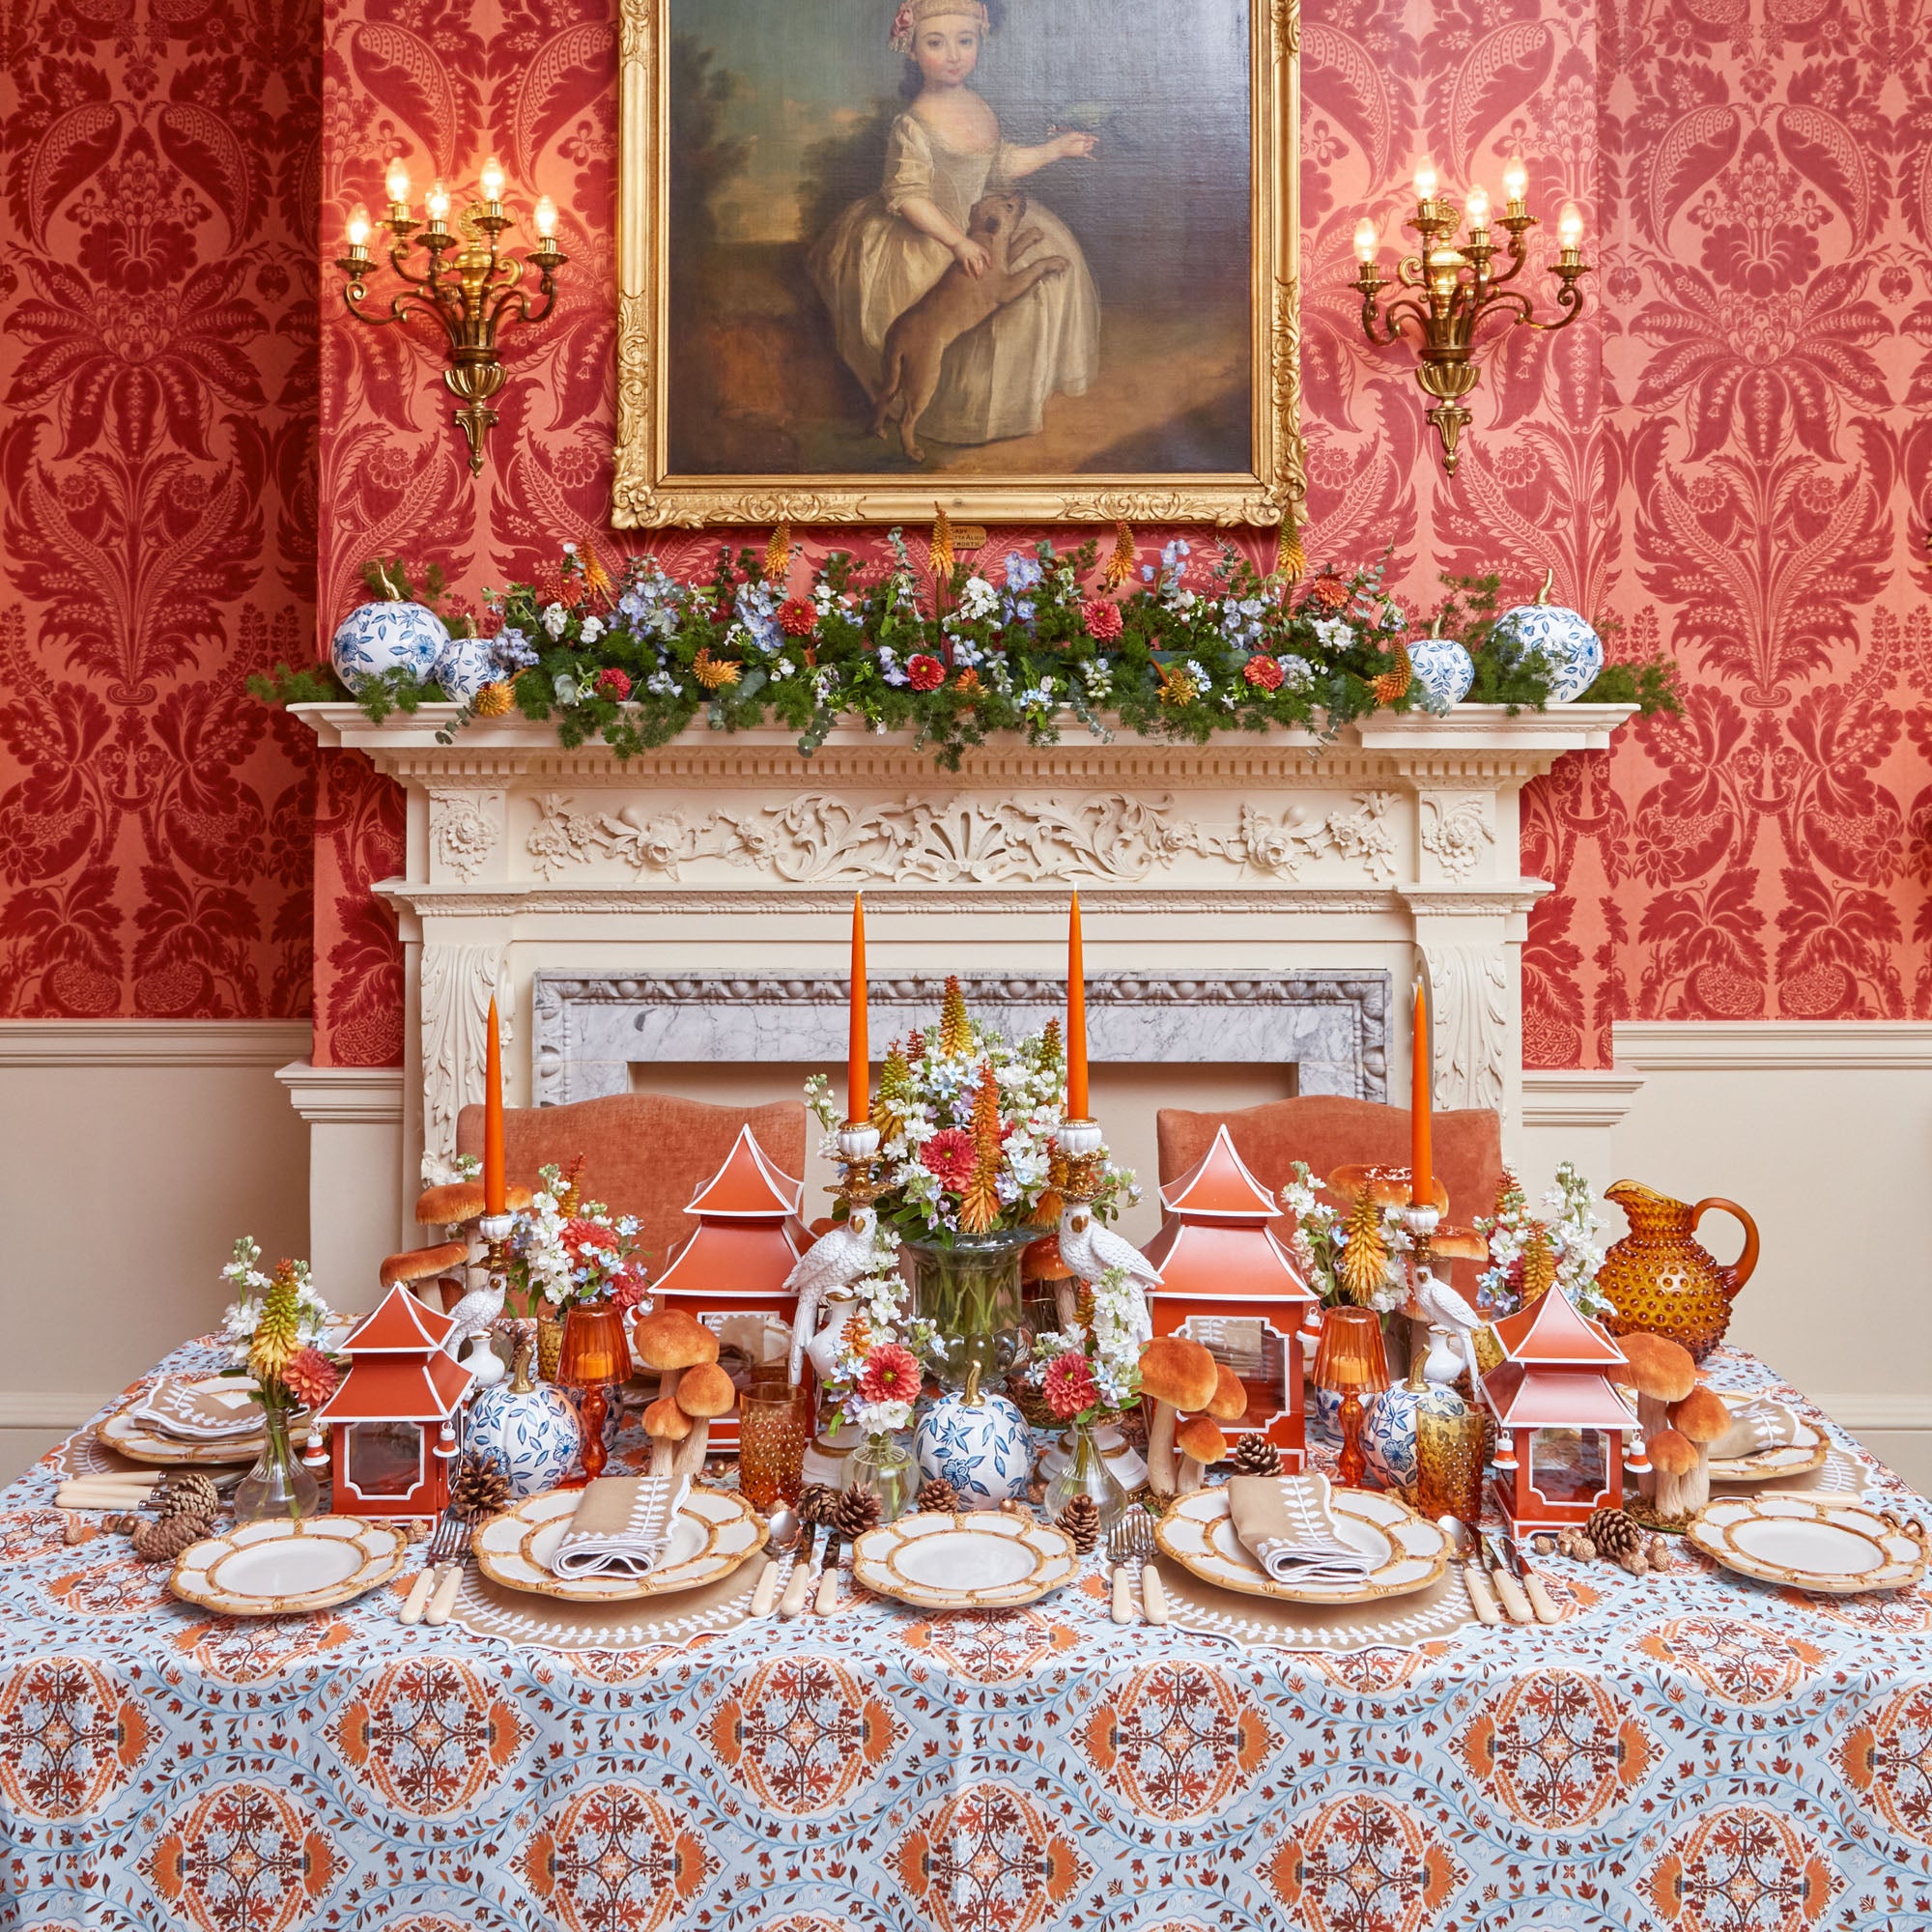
(1463, 1540)
(781, 1533)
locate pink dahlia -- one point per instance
(311, 1376)
(798, 616)
(925, 672)
(890, 1375)
(613, 683)
(1104, 622)
(1068, 1385)
(1265, 672)
(950, 1155)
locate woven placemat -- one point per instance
(1399, 1623)
(549, 1623)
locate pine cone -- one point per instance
(1616, 1534)
(163, 1541)
(480, 1487)
(187, 1493)
(814, 1504)
(1081, 1521)
(938, 1496)
(855, 1512)
(1257, 1456)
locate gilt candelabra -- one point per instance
(1458, 284)
(472, 293)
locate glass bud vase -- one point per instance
(883, 1465)
(1085, 1473)
(278, 1486)
(970, 1292)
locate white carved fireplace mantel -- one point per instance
(1272, 860)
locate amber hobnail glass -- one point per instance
(1449, 1465)
(774, 1427)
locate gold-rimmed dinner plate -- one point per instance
(142, 1443)
(715, 1531)
(1807, 1450)
(278, 1569)
(983, 1560)
(1405, 1554)
(1825, 1544)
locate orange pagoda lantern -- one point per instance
(1227, 1282)
(1565, 1433)
(391, 1433)
(730, 1274)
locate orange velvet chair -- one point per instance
(1328, 1131)
(643, 1153)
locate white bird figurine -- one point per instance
(475, 1316)
(1090, 1250)
(839, 1257)
(1451, 1321)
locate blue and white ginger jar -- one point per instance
(977, 1442)
(531, 1432)
(1562, 637)
(1443, 668)
(385, 637)
(1388, 1434)
(465, 667)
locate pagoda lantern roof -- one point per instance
(1219, 1187)
(398, 1370)
(1551, 1332)
(1525, 1395)
(748, 1187)
(1218, 1261)
(732, 1259)
(403, 1325)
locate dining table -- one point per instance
(1688, 1748)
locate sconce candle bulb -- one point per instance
(493, 183)
(1424, 182)
(1516, 184)
(1569, 227)
(1366, 242)
(544, 215)
(1476, 209)
(358, 230)
(397, 182)
(437, 202)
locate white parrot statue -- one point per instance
(839, 1257)
(1452, 1322)
(1090, 1250)
(475, 1316)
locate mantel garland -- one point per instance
(954, 653)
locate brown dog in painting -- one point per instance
(916, 341)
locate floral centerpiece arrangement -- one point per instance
(1529, 1255)
(1355, 1253)
(564, 1250)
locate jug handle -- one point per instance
(1733, 1277)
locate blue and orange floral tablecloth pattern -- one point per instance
(1691, 1752)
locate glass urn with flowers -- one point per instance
(875, 1396)
(1086, 1375)
(274, 1329)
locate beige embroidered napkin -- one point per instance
(1284, 1523)
(1759, 1424)
(621, 1526)
(205, 1414)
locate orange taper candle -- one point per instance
(1422, 1177)
(492, 1122)
(857, 1049)
(1076, 1018)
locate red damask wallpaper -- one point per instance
(158, 424)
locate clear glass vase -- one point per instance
(278, 1486)
(1085, 1473)
(883, 1465)
(969, 1289)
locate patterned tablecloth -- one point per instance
(1691, 1751)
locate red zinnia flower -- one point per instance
(798, 616)
(579, 1233)
(925, 672)
(950, 1155)
(1263, 671)
(890, 1375)
(614, 683)
(1068, 1385)
(311, 1376)
(1103, 618)
(1329, 591)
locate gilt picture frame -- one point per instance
(1096, 300)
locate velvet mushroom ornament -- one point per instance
(1660, 1372)
(1700, 1418)
(1202, 1445)
(1179, 1376)
(1673, 1457)
(420, 1264)
(703, 1393)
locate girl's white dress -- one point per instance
(872, 264)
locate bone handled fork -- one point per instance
(1132, 1540)
(440, 1564)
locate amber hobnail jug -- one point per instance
(1659, 1280)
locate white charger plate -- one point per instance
(984, 1560)
(715, 1531)
(1806, 1452)
(284, 1569)
(1827, 1546)
(1405, 1552)
(141, 1443)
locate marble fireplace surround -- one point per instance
(1244, 869)
(1330, 1028)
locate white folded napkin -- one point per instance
(1758, 1424)
(621, 1526)
(200, 1414)
(1284, 1524)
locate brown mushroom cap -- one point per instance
(666, 1421)
(453, 1202)
(1671, 1454)
(424, 1263)
(705, 1391)
(672, 1339)
(1659, 1368)
(1176, 1370)
(1042, 1261)
(1385, 1187)
(1701, 1416)
(1199, 1439)
(1459, 1244)
(1230, 1400)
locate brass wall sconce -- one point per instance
(1456, 286)
(472, 295)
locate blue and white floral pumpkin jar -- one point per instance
(465, 667)
(376, 639)
(1388, 1435)
(1444, 670)
(978, 1444)
(530, 1430)
(1562, 637)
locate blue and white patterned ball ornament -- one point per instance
(1562, 637)
(1388, 1434)
(391, 635)
(1444, 670)
(532, 1434)
(465, 667)
(977, 1442)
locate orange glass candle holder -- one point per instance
(595, 1354)
(1350, 1362)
